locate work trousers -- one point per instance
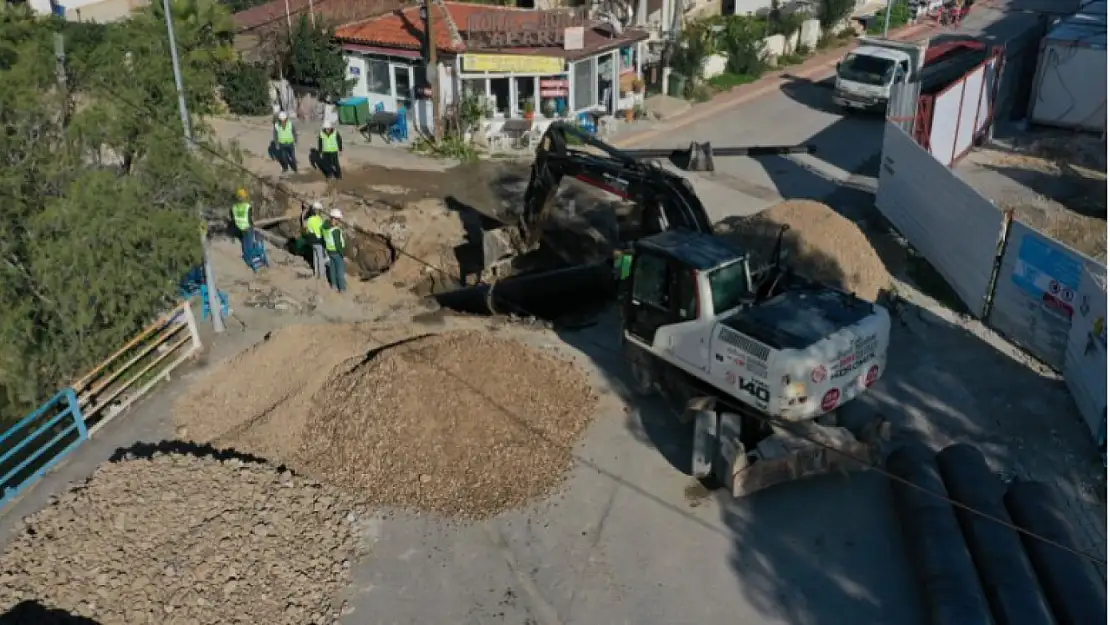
(329, 164)
(287, 157)
(318, 260)
(246, 239)
(337, 271)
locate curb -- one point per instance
(758, 89)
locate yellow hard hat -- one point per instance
(242, 194)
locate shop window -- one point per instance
(499, 90)
(377, 77)
(526, 94)
(605, 82)
(554, 95)
(628, 59)
(585, 85)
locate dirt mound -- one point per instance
(259, 400)
(463, 424)
(185, 539)
(821, 244)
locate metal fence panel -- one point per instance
(967, 126)
(943, 218)
(39, 441)
(1085, 357)
(901, 108)
(1036, 293)
(946, 119)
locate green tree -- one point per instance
(832, 13)
(316, 61)
(99, 214)
(245, 88)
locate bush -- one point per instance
(245, 88)
(727, 81)
(900, 15)
(742, 40)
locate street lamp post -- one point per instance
(190, 144)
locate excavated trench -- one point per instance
(369, 255)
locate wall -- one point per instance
(1034, 291)
(961, 114)
(944, 219)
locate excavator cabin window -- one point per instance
(650, 282)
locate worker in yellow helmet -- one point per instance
(314, 234)
(243, 217)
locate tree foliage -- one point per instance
(316, 61)
(245, 88)
(831, 13)
(99, 207)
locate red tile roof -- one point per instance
(334, 11)
(404, 29)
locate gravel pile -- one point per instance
(258, 401)
(463, 424)
(821, 244)
(186, 539)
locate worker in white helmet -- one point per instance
(336, 245)
(330, 144)
(314, 234)
(285, 138)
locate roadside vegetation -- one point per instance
(740, 39)
(100, 193)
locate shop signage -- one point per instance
(554, 88)
(512, 64)
(521, 29)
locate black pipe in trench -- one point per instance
(545, 294)
(936, 547)
(1008, 579)
(1073, 590)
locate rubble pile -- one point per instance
(183, 538)
(463, 424)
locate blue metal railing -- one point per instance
(38, 442)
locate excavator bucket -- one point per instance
(810, 449)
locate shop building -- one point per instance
(541, 63)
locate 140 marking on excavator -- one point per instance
(755, 388)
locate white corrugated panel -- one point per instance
(969, 107)
(942, 135)
(1085, 360)
(986, 103)
(1070, 85)
(1036, 293)
(942, 217)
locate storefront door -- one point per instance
(402, 80)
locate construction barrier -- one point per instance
(36, 444)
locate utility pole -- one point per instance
(886, 21)
(431, 72)
(60, 69)
(311, 11)
(190, 144)
(288, 19)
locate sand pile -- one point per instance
(184, 539)
(463, 424)
(821, 244)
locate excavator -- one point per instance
(757, 358)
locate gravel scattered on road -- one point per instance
(182, 538)
(821, 244)
(464, 424)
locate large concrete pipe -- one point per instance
(940, 558)
(1075, 593)
(1008, 579)
(545, 294)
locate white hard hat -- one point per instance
(335, 213)
(283, 116)
(327, 125)
(317, 206)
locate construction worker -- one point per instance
(285, 137)
(243, 217)
(330, 145)
(314, 233)
(336, 245)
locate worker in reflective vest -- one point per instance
(243, 217)
(330, 145)
(314, 234)
(285, 138)
(336, 245)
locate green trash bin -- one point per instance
(676, 85)
(354, 111)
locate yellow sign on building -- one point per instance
(513, 64)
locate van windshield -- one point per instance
(869, 70)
